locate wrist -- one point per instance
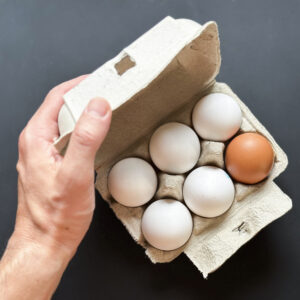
(35, 268)
(40, 247)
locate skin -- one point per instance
(55, 201)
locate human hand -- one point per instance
(56, 196)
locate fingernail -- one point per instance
(97, 107)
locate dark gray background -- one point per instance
(45, 42)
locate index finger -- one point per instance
(44, 122)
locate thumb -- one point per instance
(89, 133)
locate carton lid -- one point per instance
(146, 81)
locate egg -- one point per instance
(167, 224)
(208, 191)
(132, 182)
(174, 148)
(249, 158)
(217, 117)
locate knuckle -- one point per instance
(84, 137)
(23, 141)
(19, 166)
(59, 195)
(53, 91)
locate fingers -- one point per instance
(44, 121)
(88, 135)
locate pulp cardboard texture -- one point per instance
(157, 79)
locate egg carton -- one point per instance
(158, 79)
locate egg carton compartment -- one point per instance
(175, 64)
(212, 153)
(170, 186)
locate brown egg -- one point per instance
(249, 158)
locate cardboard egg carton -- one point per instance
(157, 79)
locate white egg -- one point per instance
(208, 191)
(217, 117)
(65, 120)
(132, 182)
(174, 148)
(167, 224)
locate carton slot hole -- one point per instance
(124, 65)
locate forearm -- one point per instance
(30, 271)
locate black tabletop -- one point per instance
(43, 43)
